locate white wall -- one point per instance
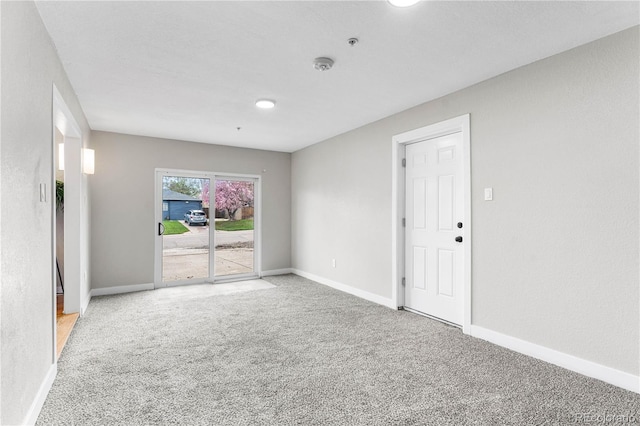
(123, 227)
(30, 67)
(555, 255)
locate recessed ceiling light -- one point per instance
(403, 3)
(265, 103)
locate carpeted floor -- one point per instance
(301, 353)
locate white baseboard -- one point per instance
(276, 272)
(588, 368)
(121, 289)
(41, 396)
(363, 294)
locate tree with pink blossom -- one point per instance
(205, 192)
(232, 195)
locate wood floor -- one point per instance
(64, 324)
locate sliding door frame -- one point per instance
(159, 173)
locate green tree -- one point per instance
(188, 186)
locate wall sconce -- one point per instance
(88, 161)
(60, 156)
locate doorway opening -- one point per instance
(66, 317)
(70, 288)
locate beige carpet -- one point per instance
(300, 353)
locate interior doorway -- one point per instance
(431, 216)
(207, 227)
(69, 212)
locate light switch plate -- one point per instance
(488, 194)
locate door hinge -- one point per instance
(404, 162)
(404, 222)
(404, 281)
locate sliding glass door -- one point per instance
(185, 229)
(234, 224)
(198, 211)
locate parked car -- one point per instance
(195, 216)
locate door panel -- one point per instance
(419, 280)
(434, 205)
(234, 207)
(420, 199)
(446, 279)
(446, 188)
(186, 240)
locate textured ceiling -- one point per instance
(193, 70)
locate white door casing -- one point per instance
(76, 294)
(434, 207)
(76, 218)
(458, 281)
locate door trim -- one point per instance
(76, 246)
(257, 221)
(398, 143)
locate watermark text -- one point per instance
(605, 418)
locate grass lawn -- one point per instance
(235, 225)
(173, 227)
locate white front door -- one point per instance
(435, 228)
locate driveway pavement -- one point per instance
(183, 264)
(186, 256)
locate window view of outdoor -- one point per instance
(234, 227)
(190, 207)
(185, 243)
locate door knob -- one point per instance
(459, 239)
(459, 224)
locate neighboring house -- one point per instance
(175, 204)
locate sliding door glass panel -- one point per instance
(185, 242)
(234, 224)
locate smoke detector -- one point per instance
(323, 64)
